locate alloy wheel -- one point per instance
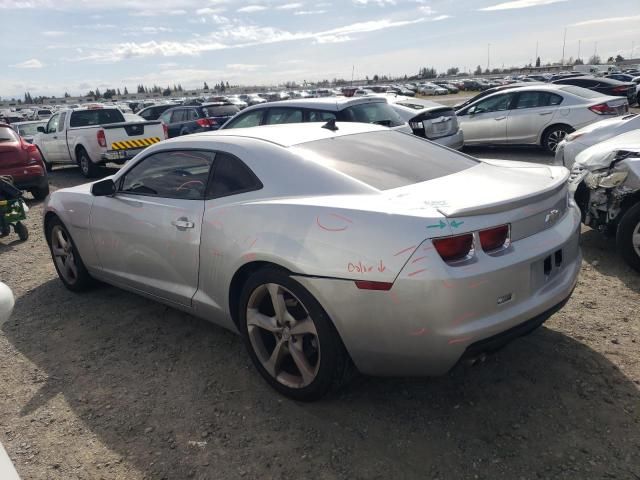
(283, 335)
(62, 249)
(555, 137)
(635, 239)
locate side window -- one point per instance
(231, 176)
(249, 119)
(63, 117)
(283, 115)
(147, 114)
(320, 116)
(52, 126)
(181, 174)
(191, 115)
(537, 99)
(494, 104)
(553, 99)
(178, 116)
(166, 118)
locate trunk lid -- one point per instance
(132, 135)
(11, 155)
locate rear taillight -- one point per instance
(369, 285)
(29, 148)
(454, 248)
(621, 89)
(603, 109)
(102, 140)
(494, 238)
(166, 130)
(204, 122)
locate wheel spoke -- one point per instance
(70, 267)
(58, 252)
(305, 369)
(635, 239)
(273, 364)
(61, 240)
(257, 319)
(303, 326)
(277, 298)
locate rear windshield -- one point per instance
(221, 111)
(581, 92)
(379, 113)
(84, 118)
(386, 160)
(8, 135)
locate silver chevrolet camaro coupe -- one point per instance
(329, 246)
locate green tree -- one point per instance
(478, 70)
(619, 58)
(538, 62)
(126, 92)
(594, 60)
(453, 71)
(206, 87)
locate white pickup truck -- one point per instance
(94, 136)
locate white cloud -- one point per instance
(289, 6)
(380, 3)
(252, 9)
(33, 63)
(310, 12)
(210, 11)
(53, 33)
(599, 21)
(243, 67)
(519, 4)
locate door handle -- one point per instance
(499, 118)
(545, 113)
(183, 223)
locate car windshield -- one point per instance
(581, 92)
(29, 128)
(221, 111)
(379, 113)
(386, 160)
(8, 135)
(84, 118)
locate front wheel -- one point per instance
(553, 136)
(290, 338)
(628, 237)
(66, 258)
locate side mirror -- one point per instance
(472, 110)
(41, 129)
(103, 188)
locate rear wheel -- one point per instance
(66, 258)
(554, 135)
(87, 167)
(628, 237)
(290, 338)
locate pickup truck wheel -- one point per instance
(87, 167)
(66, 258)
(628, 237)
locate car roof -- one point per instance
(334, 104)
(289, 134)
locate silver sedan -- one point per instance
(329, 248)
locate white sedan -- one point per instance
(590, 135)
(6, 303)
(539, 114)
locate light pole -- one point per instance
(488, 55)
(564, 42)
(579, 44)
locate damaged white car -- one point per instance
(606, 181)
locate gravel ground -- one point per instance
(108, 385)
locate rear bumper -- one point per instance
(435, 313)
(455, 141)
(27, 177)
(120, 156)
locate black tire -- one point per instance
(48, 166)
(554, 135)
(83, 280)
(22, 231)
(628, 226)
(334, 367)
(87, 167)
(40, 193)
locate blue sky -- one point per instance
(53, 46)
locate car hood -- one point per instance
(600, 155)
(606, 129)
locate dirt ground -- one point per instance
(108, 385)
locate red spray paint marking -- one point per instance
(341, 217)
(216, 253)
(394, 297)
(478, 283)
(381, 267)
(453, 341)
(418, 259)
(254, 242)
(419, 333)
(417, 272)
(249, 256)
(427, 248)
(328, 229)
(465, 316)
(405, 251)
(447, 284)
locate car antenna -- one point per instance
(331, 125)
